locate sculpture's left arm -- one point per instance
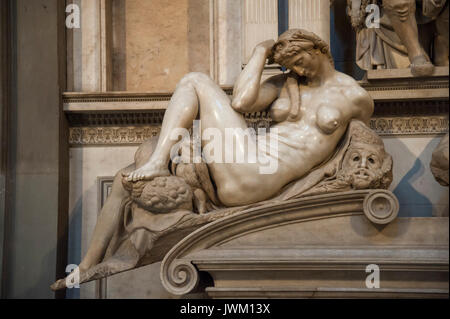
(363, 105)
(359, 104)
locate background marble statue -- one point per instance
(412, 33)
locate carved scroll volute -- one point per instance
(179, 277)
(381, 207)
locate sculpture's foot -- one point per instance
(72, 280)
(58, 285)
(420, 66)
(147, 172)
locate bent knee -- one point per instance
(194, 77)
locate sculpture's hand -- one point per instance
(267, 48)
(266, 45)
(246, 88)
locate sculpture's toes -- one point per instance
(58, 285)
(134, 177)
(128, 177)
(146, 175)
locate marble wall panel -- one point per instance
(156, 42)
(199, 36)
(228, 41)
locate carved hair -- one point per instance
(295, 41)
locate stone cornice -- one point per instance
(119, 102)
(404, 105)
(382, 85)
(400, 85)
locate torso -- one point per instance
(304, 141)
(302, 144)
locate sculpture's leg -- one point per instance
(402, 15)
(195, 93)
(194, 90)
(107, 222)
(441, 44)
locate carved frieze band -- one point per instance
(421, 125)
(134, 135)
(111, 126)
(120, 135)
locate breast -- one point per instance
(328, 118)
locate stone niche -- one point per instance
(156, 42)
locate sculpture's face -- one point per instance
(363, 165)
(305, 63)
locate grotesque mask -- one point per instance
(362, 164)
(366, 164)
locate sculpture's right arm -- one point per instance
(249, 94)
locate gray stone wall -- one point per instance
(37, 150)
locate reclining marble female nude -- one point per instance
(311, 107)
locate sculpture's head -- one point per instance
(366, 163)
(302, 52)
